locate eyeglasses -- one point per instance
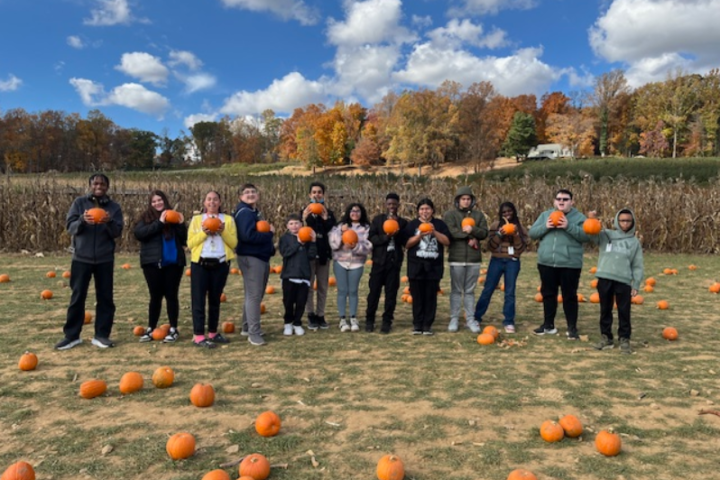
(562, 199)
(625, 221)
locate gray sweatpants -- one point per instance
(255, 278)
(463, 280)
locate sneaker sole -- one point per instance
(101, 345)
(70, 345)
(257, 344)
(606, 347)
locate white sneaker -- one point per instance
(453, 326)
(474, 326)
(298, 330)
(354, 325)
(288, 329)
(344, 327)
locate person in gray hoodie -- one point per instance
(619, 273)
(467, 228)
(560, 260)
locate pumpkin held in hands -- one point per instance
(555, 217)
(212, 224)
(391, 226)
(350, 237)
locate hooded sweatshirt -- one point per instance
(560, 247)
(621, 256)
(459, 251)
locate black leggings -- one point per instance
(163, 283)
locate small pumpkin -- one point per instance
(492, 331)
(648, 289)
(426, 227)
(212, 224)
(555, 217)
(316, 208)
(256, 466)
(593, 270)
(608, 443)
(595, 297)
(692, 268)
(670, 333)
(390, 467)
(88, 318)
(92, 388)
(551, 431)
(715, 287)
(97, 214)
(332, 281)
(126, 266)
(267, 424)
(131, 382)
(228, 327)
(163, 377)
(592, 226)
(269, 290)
(46, 294)
(538, 297)
(4, 278)
(467, 222)
(187, 272)
(172, 216)
(481, 279)
(350, 237)
(263, 309)
(486, 339)
(521, 474)
(66, 274)
(262, 226)
(51, 274)
(19, 471)
(559, 298)
(223, 298)
(278, 269)
(234, 271)
(637, 300)
(663, 305)
(650, 281)
(202, 395)
(138, 331)
(667, 271)
(405, 279)
(158, 334)
(581, 298)
(509, 228)
(216, 475)
(305, 234)
(28, 361)
(571, 425)
(409, 299)
(391, 226)
(594, 283)
(180, 446)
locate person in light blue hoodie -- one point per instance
(619, 272)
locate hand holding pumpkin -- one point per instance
(95, 216)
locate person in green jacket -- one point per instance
(560, 260)
(467, 228)
(619, 272)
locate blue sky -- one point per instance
(165, 64)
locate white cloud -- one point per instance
(197, 82)
(366, 70)
(185, 58)
(422, 22)
(457, 33)
(371, 21)
(144, 67)
(579, 80)
(75, 42)
(284, 95)
(483, 7)
(654, 36)
(11, 84)
(111, 12)
(130, 95)
(285, 9)
(191, 120)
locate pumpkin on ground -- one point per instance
(269, 290)
(715, 287)
(663, 305)
(228, 327)
(637, 300)
(595, 298)
(51, 274)
(521, 474)
(138, 331)
(202, 395)
(88, 317)
(216, 475)
(255, 466)
(571, 425)
(4, 278)
(126, 266)
(267, 424)
(492, 331)
(486, 339)
(608, 443)
(390, 467)
(648, 289)
(187, 272)
(46, 294)
(651, 281)
(180, 446)
(594, 283)
(28, 361)
(538, 297)
(92, 388)
(223, 298)
(19, 471)
(551, 431)
(670, 333)
(332, 281)
(158, 334)
(131, 382)
(593, 270)
(66, 274)
(692, 268)
(163, 377)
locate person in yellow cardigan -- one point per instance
(212, 238)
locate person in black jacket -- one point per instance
(93, 243)
(297, 255)
(387, 259)
(321, 223)
(163, 260)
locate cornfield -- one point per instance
(673, 216)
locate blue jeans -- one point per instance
(499, 267)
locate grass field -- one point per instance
(448, 407)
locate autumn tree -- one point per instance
(653, 143)
(521, 137)
(550, 103)
(681, 98)
(611, 89)
(574, 130)
(477, 128)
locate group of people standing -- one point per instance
(314, 240)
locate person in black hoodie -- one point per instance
(321, 223)
(163, 260)
(297, 254)
(387, 259)
(93, 243)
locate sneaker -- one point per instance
(385, 328)
(102, 342)
(313, 322)
(172, 335)
(428, 332)
(542, 330)
(369, 326)
(147, 336)
(219, 339)
(67, 344)
(205, 343)
(298, 330)
(288, 329)
(474, 326)
(323, 324)
(509, 328)
(453, 325)
(344, 327)
(417, 332)
(604, 344)
(572, 334)
(245, 333)
(256, 340)
(354, 325)
(625, 346)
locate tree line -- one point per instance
(678, 117)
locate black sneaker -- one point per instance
(147, 336)
(369, 327)
(67, 344)
(428, 332)
(102, 342)
(204, 343)
(604, 344)
(385, 328)
(543, 330)
(573, 334)
(172, 335)
(417, 332)
(323, 324)
(313, 322)
(219, 339)
(625, 346)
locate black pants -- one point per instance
(295, 297)
(424, 303)
(80, 274)
(567, 279)
(163, 283)
(207, 282)
(612, 292)
(383, 276)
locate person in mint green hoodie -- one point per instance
(560, 260)
(619, 272)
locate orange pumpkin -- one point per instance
(650, 281)
(426, 227)
(592, 226)
(715, 287)
(305, 234)
(390, 467)
(66, 274)
(667, 271)
(88, 317)
(234, 271)
(228, 327)
(216, 475)
(269, 289)
(559, 298)
(262, 226)
(223, 298)
(692, 268)
(262, 308)
(521, 474)
(670, 333)
(131, 382)
(581, 298)
(481, 279)
(92, 388)
(19, 471)
(467, 222)
(350, 237)
(637, 300)
(538, 297)
(648, 289)
(212, 224)
(608, 443)
(28, 361)
(97, 214)
(594, 283)
(486, 339)
(409, 299)
(46, 294)
(663, 305)
(509, 229)
(255, 466)
(316, 208)
(551, 431)
(138, 331)
(202, 395)
(158, 334)
(126, 266)
(163, 377)
(405, 279)
(555, 217)
(267, 424)
(492, 331)
(4, 278)
(595, 298)
(171, 216)
(593, 270)
(180, 446)
(571, 426)
(51, 274)
(332, 281)
(391, 226)
(278, 269)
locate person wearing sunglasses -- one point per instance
(560, 260)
